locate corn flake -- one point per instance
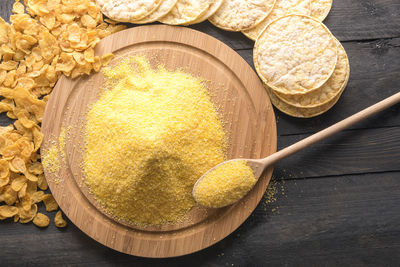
(49, 21)
(41, 220)
(31, 177)
(26, 82)
(5, 107)
(105, 59)
(17, 165)
(31, 188)
(5, 30)
(67, 63)
(24, 120)
(25, 42)
(9, 195)
(24, 99)
(22, 191)
(79, 58)
(48, 45)
(3, 182)
(26, 216)
(9, 65)
(50, 202)
(74, 33)
(88, 22)
(10, 78)
(4, 169)
(36, 168)
(26, 202)
(97, 64)
(18, 8)
(89, 55)
(53, 4)
(59, 220)
(18, 183)
(8, 211)
(37, 197)
(42, 183)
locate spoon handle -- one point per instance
(386, 103)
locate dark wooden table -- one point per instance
(341, 199)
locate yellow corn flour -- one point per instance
(149, 137)
(50, 159)
(225, 185)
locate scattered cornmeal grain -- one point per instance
(276, 189)
(270, 194)
(61, 144)
(149, 137)
(225, 185)
(50, 159)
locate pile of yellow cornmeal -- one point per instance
(148, 138)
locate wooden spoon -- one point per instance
(259, 165)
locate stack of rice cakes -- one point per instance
(172, 12)
(303, 66)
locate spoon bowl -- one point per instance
(227, 182)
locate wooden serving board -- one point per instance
(249, 123)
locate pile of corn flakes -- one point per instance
(50, 38)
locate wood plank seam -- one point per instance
(372, 40)
(277, 169)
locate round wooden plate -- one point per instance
(243, 103)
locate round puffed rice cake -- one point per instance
(320, 8)
(239, 15)
(127, 10)
(328, 90)
(186, 11)
(280, 9)
(214, 6)
(295, 54)
(163, 9)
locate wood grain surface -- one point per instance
(242, 103)
(341, 198)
